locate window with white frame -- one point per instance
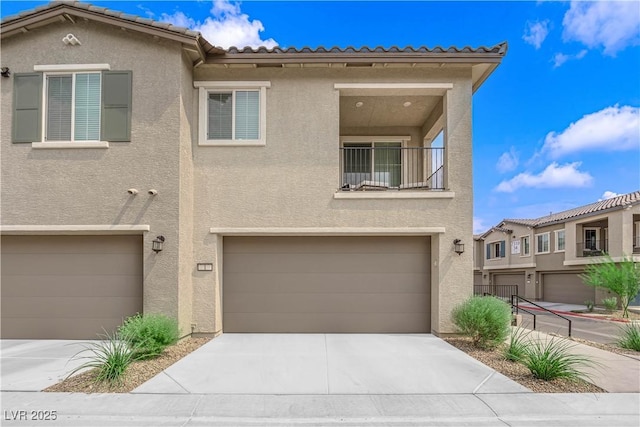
(525, 246)
(592, 239)
(496, 250)
(232, 113)
(72, 106)
(542, 243)
(560, 241)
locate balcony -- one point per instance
(592, 248)
(391, 167)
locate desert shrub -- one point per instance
(610, 304)
(149, 334)
(110, 356)
(621, 278)
(630, 337)
(551, 359)
(589, 305)
(516, 349)
(485, 319)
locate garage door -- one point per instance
(567, 288)
(326, 284)
(510, 279)
(69, 287)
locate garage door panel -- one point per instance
(74, 286)
(70, 244)
(326, 284)
(59, 265)
(329, 282)
(66, 307)
(567, 288)
(325, 303)
(325, 245)
(306, 263)
(322, 322)
(69, 287)
(70, 328)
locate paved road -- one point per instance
(601, 331)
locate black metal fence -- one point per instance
(592, 248)
(501, 291)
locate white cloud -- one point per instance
(479, 225)
(612, 129)
(227, 26)
(508, 161)
(612, 25)
(554, 176)
(536, 32)
(608, 195)
(561, 58)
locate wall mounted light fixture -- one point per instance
(157, 244)
(5, 72)
(458, 246)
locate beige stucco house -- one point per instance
(545, 256)
(239, 190)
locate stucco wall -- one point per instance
(89, 186)
(291, 181)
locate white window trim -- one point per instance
(522, 254)
(636, 242)
(493, 243)
(555, 236)
(204, 87)
(59, 69)
(537, 251)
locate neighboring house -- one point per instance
(288, 190)
(544, 256)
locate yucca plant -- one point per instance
(630, 337)
(551, 359)
(111, 356)
(516, 349)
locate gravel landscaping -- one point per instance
(138, 373)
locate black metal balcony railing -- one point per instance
(592, 248)
(389, 167)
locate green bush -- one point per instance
(610, 304)
(516, 350)
(630, 337)
(149, 334)
(110, 356)
(552, 359)
(485, 319)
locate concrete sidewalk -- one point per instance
(520, 409)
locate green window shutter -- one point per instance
(502, 248)
(488, 251)
(27, 108)
(116, 106)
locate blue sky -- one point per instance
(556, 126)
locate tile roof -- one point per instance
(500, 49)
(602, 205)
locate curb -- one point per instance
(586, 316)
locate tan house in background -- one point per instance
(239, 190)
(544, 256)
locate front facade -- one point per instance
(294, 190)
(544, 256)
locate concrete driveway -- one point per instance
(322, 364)
(33, 365)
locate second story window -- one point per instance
(542, 243)
(72, 111)
(525, 245)
(232, 113)
(496, 250)
(560, 241)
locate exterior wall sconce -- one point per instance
(529, 276)
(5, 72)
(157, 244)
(458, 246)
